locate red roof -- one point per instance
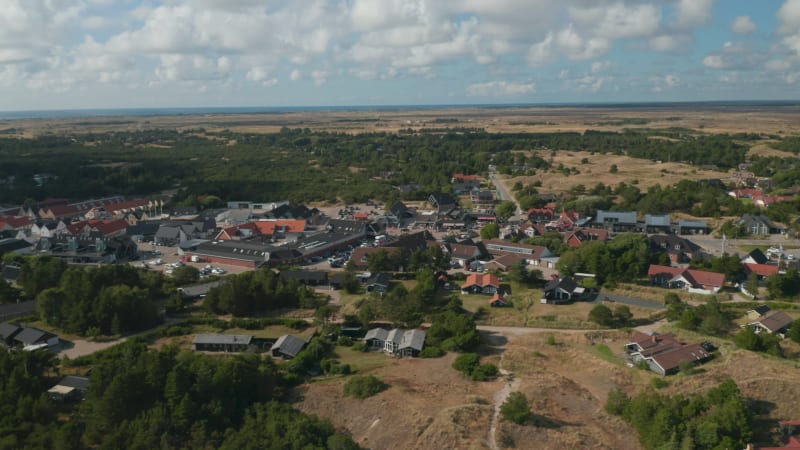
(361, 215)
(63, 210)
(292, 225)
(745, 193)
(462, 177)
(14, 222)
(497, 297)
(108, 226)
(695, 277)
(482, 280)
(763, 270)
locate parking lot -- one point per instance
(168, 256)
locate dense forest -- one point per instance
(168, 399)
(111, 299)
(212, 166)
(257, 292)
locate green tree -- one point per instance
(613, 169)
(490, 231)
(794, 331)
(186, 275)
(616, 402)
(622, 314)
(516, 408)
(601, 315)
(505, 210)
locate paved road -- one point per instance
(504, 192)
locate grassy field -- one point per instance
(361, 361)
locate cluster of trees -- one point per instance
(256, 292)
(784, 285)
(406, 260)
(453, 330)
(403, 306)
(470, 365)
(143, 399)
(709, 318)
(110, 299)
(761, 342)
(717, 420)
(626, 257)
(604, 316)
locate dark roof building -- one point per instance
(212, 342)
(287, 346)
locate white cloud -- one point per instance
(501, 89)
(743, 25)
(789, 16)
(777, 65)
(600, 66)
(295, 75)
(716, 62)
(692, 13)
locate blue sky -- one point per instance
(74, 54)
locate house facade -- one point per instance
(694, 281)
(396, 342)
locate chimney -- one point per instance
(655, 339)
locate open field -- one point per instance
(429, 405)
(773, 119)
(641, 172)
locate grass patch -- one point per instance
(361, 361)
(603, 352)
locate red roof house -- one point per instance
(696, 281)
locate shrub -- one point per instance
(616, 402)
(516, 408)
(431, 352)
(360, 346)
(659, 383)
(483, 372)
(364, 386)
(344, 341)
(466, 363)
(551, 340)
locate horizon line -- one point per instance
(191, 110)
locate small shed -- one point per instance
(69, 388)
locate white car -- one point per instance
(157, 262)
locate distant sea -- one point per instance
(72, 113)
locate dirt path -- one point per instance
(83, 347)
(499, 398)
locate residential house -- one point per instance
(663, 353)
(15, 246)
(477, 283)
(762, 271)
(616, 221)
(7, 333)
(541, 215)
(229, 343)
(69, 388)
(399, 211)
(396, 342)
(31, 338)
(657, 223)
(577, 237)
(680, 250)
(692, 227)
(562, 290)
(757, 312)
(443, 202)
(745, 193)
(481, 197)
(756, 256)
(695, 281)
(15, 223)
(198, 290)
(767, 200)
(503, 263)
(379, 282)
(462, 254)
(773, 322)
(532, 229)
(759, 225)
(565, 221)
(463, 178)
(536, 255)
(466, 186)
(498, 300)
(287, 346)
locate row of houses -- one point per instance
(287, 346)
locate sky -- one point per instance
(86, 54)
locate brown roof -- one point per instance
(463, 250)
(482, 280)
(695, 277)
(671, 359)
(775, 321)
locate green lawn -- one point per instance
(361, 362)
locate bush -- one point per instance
(467, 363)
(616, 402)
(483, 372)
(364, 386)
(516, 408)
(431, 352)
(551, 340)
(360, 346)
(344, 341)
(659, 383)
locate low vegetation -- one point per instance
(516, 408)
(469, 364)
(364, 386)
